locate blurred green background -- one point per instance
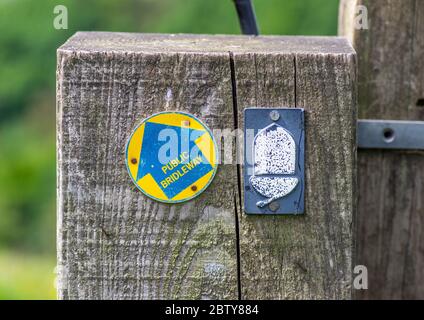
(28, 43)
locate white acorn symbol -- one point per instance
(274, 153)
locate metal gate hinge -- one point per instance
(390, 134)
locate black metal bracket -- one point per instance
(247, 17)
(390, 134)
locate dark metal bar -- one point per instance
(391, 134)
(247, 18)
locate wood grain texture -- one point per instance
(308, 256)
(390, 229)
(114, 243)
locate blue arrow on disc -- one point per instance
(150, 162)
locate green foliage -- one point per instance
(28, 39)
(26, 276)
(27, 181)
(28, 43)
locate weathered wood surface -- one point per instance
(310, 256)
(390, 233)
(113, 242)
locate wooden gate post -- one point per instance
(390, 229)
(115, 243)
(310, 256)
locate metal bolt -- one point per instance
(134, 161)
(185, 123)
(274, 115)
(273, 206)
(193, 188)
(388, 135)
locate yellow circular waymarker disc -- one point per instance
(172, 157)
